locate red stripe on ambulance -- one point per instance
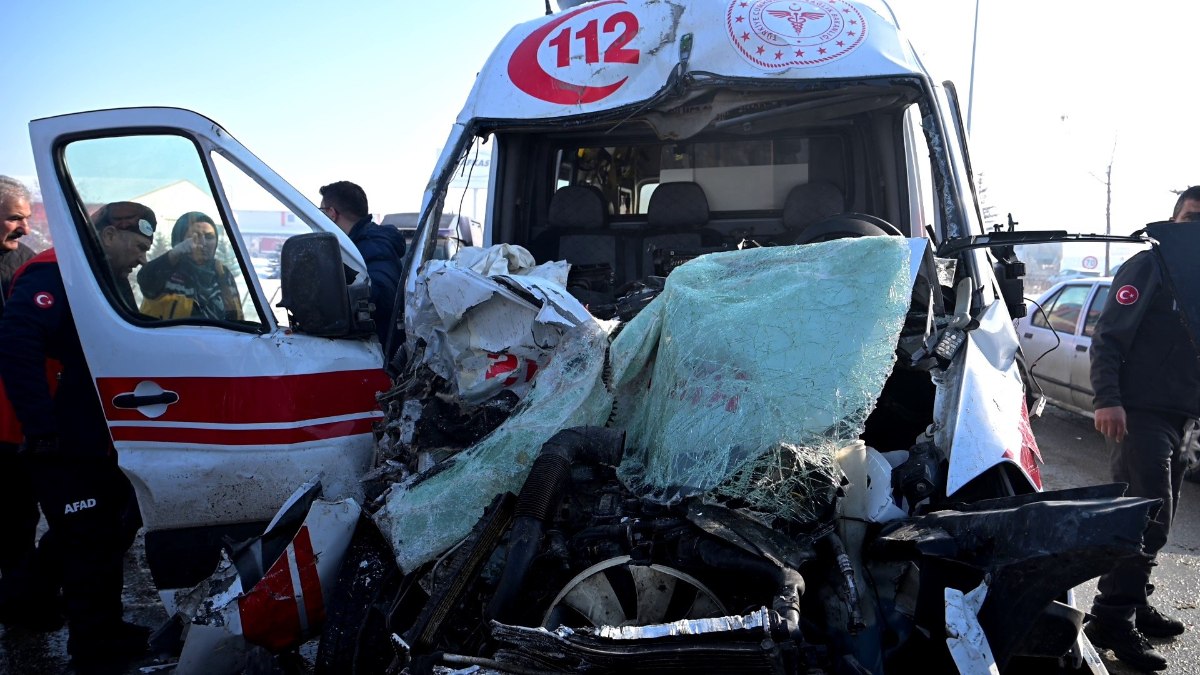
(273, 614)
(251, 400)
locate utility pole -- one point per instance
(971, 84)
(1108, 208)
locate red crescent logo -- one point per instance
(529, 76)
(43, 300)
(1127, 295)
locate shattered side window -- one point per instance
(750, 400)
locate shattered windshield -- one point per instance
(753, 367)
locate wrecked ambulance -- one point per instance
(762, 413)
(789, 432)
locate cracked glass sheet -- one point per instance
(432, 511)
(753, 367)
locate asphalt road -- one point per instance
(1074, 455)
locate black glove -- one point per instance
(43, 445)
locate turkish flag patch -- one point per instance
(43, 300)
(1127, 295)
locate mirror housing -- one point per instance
(315, 292)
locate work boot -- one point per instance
(42, 616)
(1127, 643)
(117, 643)
(1154, 623)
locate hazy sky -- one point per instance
(366, 91)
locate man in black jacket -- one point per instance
(382, 248)
(20, 601)
(1146, 375)
(88, 502)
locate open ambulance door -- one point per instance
(216, 420)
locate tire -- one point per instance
(355, 638)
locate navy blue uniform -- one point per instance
(1143, 360)
(87, 500)
(18, 505)
(382, 248)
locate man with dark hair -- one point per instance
(20, 602)
(1187, 207)
(88, 502)
(382, 248)
(1146, 375)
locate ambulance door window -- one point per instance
(157, 239)
(264, 223)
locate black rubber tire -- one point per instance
(355, 637)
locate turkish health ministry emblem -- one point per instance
(776, 34)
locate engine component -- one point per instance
(619, 592)
(916, 478)
(540, 497)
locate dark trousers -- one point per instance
(93, 518)
(18, 513)
(1149, 460)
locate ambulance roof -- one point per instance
(609, 54)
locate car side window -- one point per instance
(1064, 315)
(160, 243)
(1093, 315)
(1041, 315)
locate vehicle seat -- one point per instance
(578, 233)
(809, 203)
(677, 218)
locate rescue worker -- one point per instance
(1146, 375)
(382, 248)
(88, 502)
(21, 602)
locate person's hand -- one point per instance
(1111, 422)
(182, 250)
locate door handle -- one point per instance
(1029, 335)
(1081, 348)
(132, 400)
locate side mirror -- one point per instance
(314, 291)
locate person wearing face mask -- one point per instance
(88, 501)
(188, 281)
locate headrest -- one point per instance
(810, 202)
(578, 206)
(677, 205)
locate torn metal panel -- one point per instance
(288, 571)
(986, 404)
(730, 644)
(964, 636)
(1031, 547)
(490, 319)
